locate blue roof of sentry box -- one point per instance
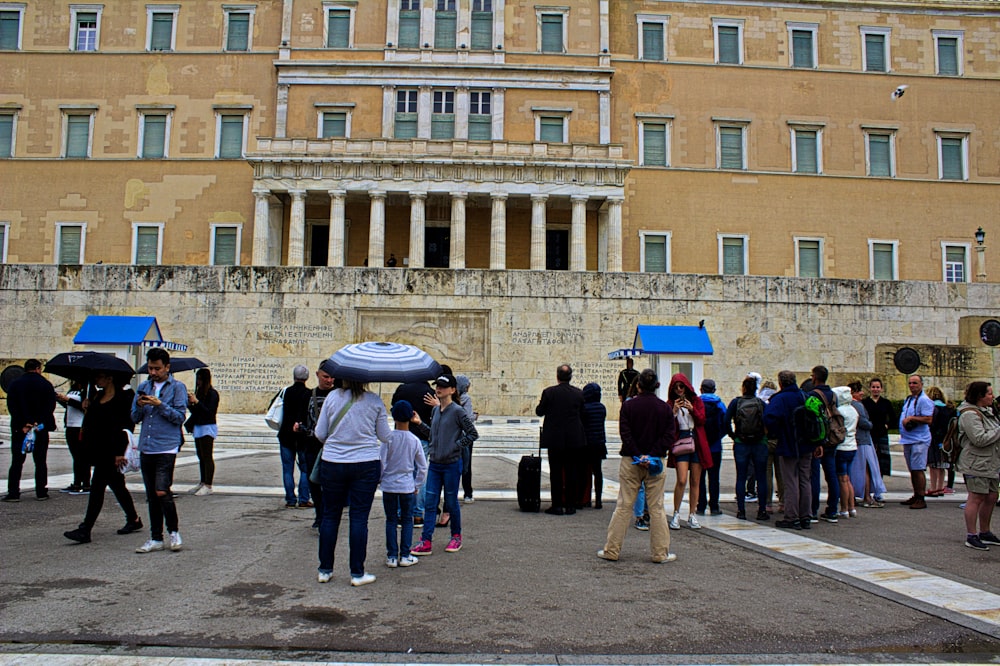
(673, 340)
(123, 330)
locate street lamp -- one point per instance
(980, 236)
(980, 255)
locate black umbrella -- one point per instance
(82, 366)
(178, 364)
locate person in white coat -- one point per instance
(846, 451)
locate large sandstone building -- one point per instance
(748, 144)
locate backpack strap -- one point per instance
(822, 397)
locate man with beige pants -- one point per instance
(648, 430)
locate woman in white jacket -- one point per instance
(846, 451)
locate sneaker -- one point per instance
(814, 519)
(669, 558)
(693, 523)
(716, 512)
(290, 505)
(675, 522)
(948, 491)
(150, 546)
(741, 515)
(82, 491)
(80, 535)
(843, 514)
(806, 523)
(750, 497)
(604, 556)
(973, 541)
(763, 515)
(877, 504)
(455, 544)
(829, 517)
(407, 561)
(324, 576)
(131, 526)
(302, 505)
(422, 548)
(788, 524)
(391, 562)
(70, 488)
(175, 541)
(641, 525)
(194, 491)
(700, 512)
(468, 499)
(204, 490)
(42, 497)
(358, 581)
(11, 497)
(418, 521)
(853, 513)
(989, 538)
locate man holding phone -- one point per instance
(160, 405)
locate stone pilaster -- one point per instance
(261, 227)
(538, 220)
(335, 247)
(456, 250)
(418, 212)
(376, 230)
(578, 233)
(297, 228)
(498, 231)
(615, 234)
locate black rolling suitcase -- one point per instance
(529, 482)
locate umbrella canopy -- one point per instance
(382, 362)
(82, 366)
(179, 364)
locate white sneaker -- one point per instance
(391, 562)
(324, 577)
(693, 523)
(204, 490)
(675, 522)
(854, 513)
(670, 558)
(358, 581)
(175, 541)
(469, 500)
(194, 491)
(150, 546)
(408, 561)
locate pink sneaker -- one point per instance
(422, 548)
(455, 544)
(948, 491)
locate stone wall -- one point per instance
(506, 330)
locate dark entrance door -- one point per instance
(320, 245)
(557, 249)
(437, 247)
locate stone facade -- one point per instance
(506, 330)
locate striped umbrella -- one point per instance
(382, 362)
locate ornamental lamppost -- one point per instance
(980, 255)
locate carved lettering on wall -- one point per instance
(460, 338)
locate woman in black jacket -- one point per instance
(204, 405)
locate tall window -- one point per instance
(231, 130)
(948, 48)
(77, 138)
(147, 242)
(480, 115)
(409, 24)
(443, 115)
(808, 257)
(654, 140)
(652, 37)
(161, 20)
(3, 242)
(482, 25)
(953, 156)
(655, 252)
(882, 257)
(731, 146)
(728, 42)
(875, 47)
(10, 28)
(445, 24)
(7, 134)
(880, 154)
(732, 255)
(955, 258)
(551, 37)
(333, 124)
(225, 249)
(406, 114)
(338, 27)
(551, 129)
(238, 29)
(802, 37)
(70, 243)
(86, 27)
(153, 135)
(806, 150)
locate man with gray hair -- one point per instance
(296, 405)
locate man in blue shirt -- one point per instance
(159, 406)
(915, 436)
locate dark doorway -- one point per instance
(557, 249)
(438, 247)
(319, 245)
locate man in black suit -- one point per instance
(31, 400)
(563, 436)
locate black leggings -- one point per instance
(81, 459)
(206, 464)
(106, 475)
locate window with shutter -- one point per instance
(551, 129)
(654, 144)
(445, 24)
(338, 29)
(875, 53)
(78, 136)
(161, 32)
(802, 49)
(731, 148)
(86, 31)
(947, 52)
(652, 41)
(952, 162)
(729, 44)
(879, 155)
(70, 244)
(552, 33)
(10, 30)
(654, 254)
(443, 115)
(809, 259)
(147, 245)
(482, 30)
(480, 116)
(7, 135)
(883, 261)
(409, 24)
(733, 254)
(224, 249)
(238, 31)
(154, 135)
(334, 124)
(406, 114)
(954, 263)
(806, 151)
(231, 136)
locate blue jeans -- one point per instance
(746, 455)
(418, 501)
(398, 513)
(288, 459)
(829, 465)
(640, 508)
(158, 475)
(448, 476)
(346, 484)
(709, 496)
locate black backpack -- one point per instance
(749, 419)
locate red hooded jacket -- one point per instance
(698, 414)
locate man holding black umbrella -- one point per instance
(31, 401)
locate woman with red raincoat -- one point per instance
(689, 411)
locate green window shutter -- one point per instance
(947, 48)
(338, 32)
(882, 261)
(442, 126)
(70, 238)
(806, 158)
(334, 125)
(552, 33)
(954, 260)
(875, 53)
(655, 253)
(809, 265)
(231, 136)
(654, 144)
(652, 41)
(879, 158)
(225, 246)
(406, 126)
(409, 29)
(729, 45)
(445, 25)
(10, 26)
(238, 37)
(480, 127)
(550, 129)
(154, 135)
(162, 31)
(77, 136)
(6, 138)
(730, 147)
(732, 257)
(951, 159)
(147, 240)
(802, 48)
(482, 31)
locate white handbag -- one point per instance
(276, 412)
(132, 457)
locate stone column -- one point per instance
(261, 226)
(578, 233)
(425, 107)
(498, 231)
(602, 239)
(335, 246)
(418, 211)
(615, 233)
(538, 231)
(456, 249)
(376, 230)
(276, 215)
(297, 228)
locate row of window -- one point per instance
(734, 257)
